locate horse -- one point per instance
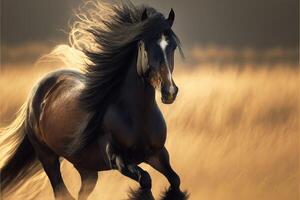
(104, 117)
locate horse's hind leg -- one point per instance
(161, 163)
(88, 182)
(51, 165)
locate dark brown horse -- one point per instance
(105, 117)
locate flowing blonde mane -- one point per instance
(92, 14)
(101, 17)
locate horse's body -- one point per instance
(68, 116)
(133, 124)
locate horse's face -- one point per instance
(156, 62)
(161, 66)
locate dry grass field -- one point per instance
(233, 134)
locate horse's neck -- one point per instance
(137, 92)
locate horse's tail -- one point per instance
(16, 146)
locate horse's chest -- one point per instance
(147, 144)
(154, 134)
(134, 134)
(151, 136)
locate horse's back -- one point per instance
(61, 119)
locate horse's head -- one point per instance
(156, 60)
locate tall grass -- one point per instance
(233, 134)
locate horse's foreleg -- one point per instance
(88, 183)
(161, 163)
(138, 174)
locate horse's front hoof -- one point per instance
(174, 194)
(140, 194)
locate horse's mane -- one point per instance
(107, 34)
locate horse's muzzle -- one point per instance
(168, 96)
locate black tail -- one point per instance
(20, 161)
(20, 155)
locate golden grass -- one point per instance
(233, 135)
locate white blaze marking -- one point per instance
(163, 43)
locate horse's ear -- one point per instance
(171, 17)
(144, 15)
(142, 59)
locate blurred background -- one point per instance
(29, 28)
(234, 128)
